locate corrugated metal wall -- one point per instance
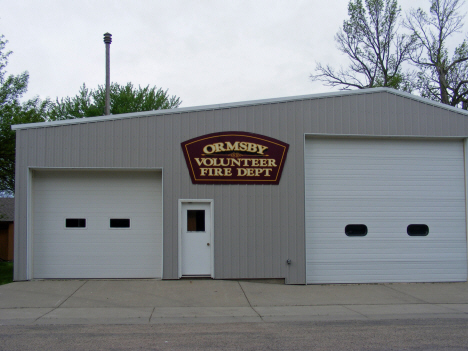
(257, 227)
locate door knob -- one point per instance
(207, 244)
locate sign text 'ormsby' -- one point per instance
(235, 158)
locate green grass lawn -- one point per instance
(6, 272)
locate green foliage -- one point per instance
(12, 111)
(376, 51)
(87, 103)
(6, 272)
(123, 99)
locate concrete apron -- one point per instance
(222, 301)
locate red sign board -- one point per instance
(235, 158)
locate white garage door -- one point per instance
(363, 197)
(97, 224)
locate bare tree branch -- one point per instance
(377, 52)
(437, 71)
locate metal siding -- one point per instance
(326, 117)
(57, 156)
(463, 123)
(142, 137)
(422, 116)
(398, 110)
(66, 148)
(438, 124)
(175, 173)
(252, 238)
(40, 146)
(428, 119)
(452, 128)
(377, 115)
(385, 116)
(294, 242)
(241, 230)
(100, 157)
(338, 115)
(284, 124)
(391, 112)
(351, 108)
(93, 150)
(20, 237)
(446, 128)
(152, 137)
(169, 244)
(273, 208)
(124, 151)
(415, 126)
(368, 116)
(74, 146)
(310, 118)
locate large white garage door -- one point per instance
(97, 224)
(385, 211)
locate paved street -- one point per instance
(426, 334)
(223, 301)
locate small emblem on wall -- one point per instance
(235, 158)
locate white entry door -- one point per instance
(196, 239)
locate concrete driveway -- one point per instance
(222, 301)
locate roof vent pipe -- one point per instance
(107, 41)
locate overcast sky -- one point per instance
(205, 52)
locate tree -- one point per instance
(123, 99)
(88, 103)
(377, 52)
(12, 111)
(440, 77)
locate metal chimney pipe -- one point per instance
(107, 41)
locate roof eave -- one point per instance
(235, 104)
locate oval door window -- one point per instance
(356, 230)
(417, 230)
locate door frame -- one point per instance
(180, 224)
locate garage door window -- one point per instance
(120, 222)
(356, 230)
(75, 222)
(417, 230)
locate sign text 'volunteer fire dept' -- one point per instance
(235, 158)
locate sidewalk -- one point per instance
(222, 301)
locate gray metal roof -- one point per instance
(236, 104)
(7, 209)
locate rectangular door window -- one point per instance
(75, 223)
(195, 220)
(119, 223)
